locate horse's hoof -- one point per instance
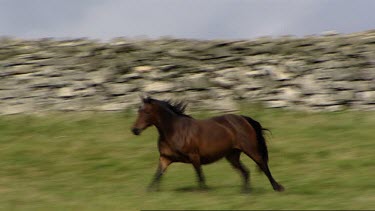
(279, 188)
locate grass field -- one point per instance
(92, 162)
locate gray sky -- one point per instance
(201, 19)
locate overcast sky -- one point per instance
(200, 19)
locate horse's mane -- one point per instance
(177, 107)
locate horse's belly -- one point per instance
(213, 155)
(209, 159)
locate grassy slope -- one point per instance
(92, 162)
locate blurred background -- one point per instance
(71, 73)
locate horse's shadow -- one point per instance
(186, 189)
(194, 189)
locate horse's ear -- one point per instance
(145, 98)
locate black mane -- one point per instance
(177, 107)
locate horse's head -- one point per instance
(153, 111)
(145, 116)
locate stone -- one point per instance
(255, 60)
(131, 99)
(368, 97)
(160, 75)
(196, 82)
(91, 91)
(19, 69)
(320, 100)
(295, 66)
(49, 72)
(65, 92)
(309, 85)
(42, 82)
(97, 77)
(289, 94)
(68, 105)
(226, 105)
(248, 89)
(142, 69)
(5, 94)
(345, 75)
(16, 109)
(39, 93)
(252, 95)
(24, 78)
(230, 73)
(344, 96)
(217, 93)
(323, 74)
(128, 77)
(73, 75)
(113, 107)
(363, 86)
(333, 108)
(256, 73)
(156, 87)
(367, 74)
(80, 85)
(116, 89)
(276, 104)
(223, 82)
(277, 73)
(193, 95)
(341, 85)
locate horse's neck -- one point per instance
(165, 123)
(172, 134)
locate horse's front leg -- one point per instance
(195, 160)
(163, 164)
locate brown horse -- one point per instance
(188, 140)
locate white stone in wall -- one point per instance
(143, 69)
(155, 87)
(65, 92)
(276, 104)
(368, 97)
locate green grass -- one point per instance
(92, 162)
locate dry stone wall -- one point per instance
(330, 72)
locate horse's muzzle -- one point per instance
(136, 131)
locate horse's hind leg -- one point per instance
(163, 164)
(263, 165)
(234, 160)
(276, 186)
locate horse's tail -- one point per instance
(260, 137)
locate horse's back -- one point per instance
(243, 130)
(234, 122)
